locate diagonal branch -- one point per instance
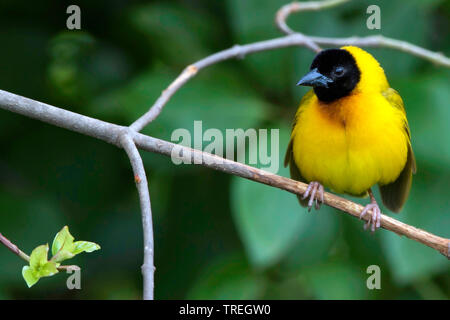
(140, 179)
(13, 248)
(237, 51)
(96, 129)
(238, 169)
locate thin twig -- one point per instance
(140, 179)
(71, 267)
(370, 41)
(97, 128)
(286, 10)
(13, 248)
(379, 41)
(237, 51)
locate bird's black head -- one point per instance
(333, 74)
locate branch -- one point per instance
(96, 128)
(285, 11)
(381, 41)
(13, 248)
(371, 41)
(140, 178)
(238, 169)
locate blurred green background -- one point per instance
(216, 236)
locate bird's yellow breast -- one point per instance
(351, 144)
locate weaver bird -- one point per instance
(350, 132)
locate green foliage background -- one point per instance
(216, 236)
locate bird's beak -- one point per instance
(314, 79)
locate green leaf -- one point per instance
(29, 276)
(62, 239)
(38, 256)
(39, 266)
(62, 245)
(84, 246)
(64, 248)
(48, 269)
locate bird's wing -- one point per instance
(289, 157)
(394, 194)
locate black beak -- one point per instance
(314, 79)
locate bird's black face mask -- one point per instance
(333, 75)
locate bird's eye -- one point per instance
(339, 71)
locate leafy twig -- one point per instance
(39, 266)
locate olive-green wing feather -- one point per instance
(394, 194)
(289, 157)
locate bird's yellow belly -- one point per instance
(352, 148)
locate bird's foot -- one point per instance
(375, 219)
(315, 194)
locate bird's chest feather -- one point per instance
(352, 144)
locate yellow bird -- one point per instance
(350, 132)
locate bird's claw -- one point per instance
(315, 194)
(375, 219)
